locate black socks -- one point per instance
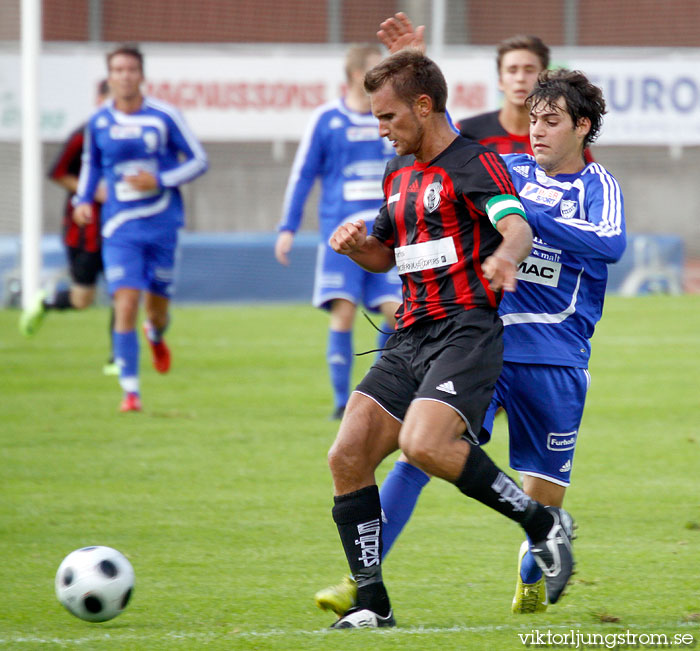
(358, 516)
(61, 301)
(485, 482)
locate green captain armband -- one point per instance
(503, 205)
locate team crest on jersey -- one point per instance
(523, 170)
(150, 139)
(102, 122)
(335, 123)
(568, 208)
(431, 198)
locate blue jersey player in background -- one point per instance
(143, 150)
(576, 212)
(342, 147)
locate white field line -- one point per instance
(232, 635)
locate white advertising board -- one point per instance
(226, 97)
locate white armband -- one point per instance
(503, 205)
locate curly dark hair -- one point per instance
(582, 98)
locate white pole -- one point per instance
(31, 150)
(437, 45)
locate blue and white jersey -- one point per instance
(155, 139)
(344, 149)
(579, 227)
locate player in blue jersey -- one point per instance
(144, 151)
(576, 212)
(342, 147)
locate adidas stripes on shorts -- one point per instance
(455, 361)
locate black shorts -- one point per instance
(85, 266)
(456, 361)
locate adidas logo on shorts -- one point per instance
(447, 387)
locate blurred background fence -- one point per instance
(248, 73)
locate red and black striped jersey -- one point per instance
(68, 163)
(486, 128)
(434, 217)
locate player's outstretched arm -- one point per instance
(351, 239)
(397, 33)
(501, 267)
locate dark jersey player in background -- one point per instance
(83, 243)
(519, 60)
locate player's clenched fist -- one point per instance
(349, 237)
(500, 272)
(82, 214)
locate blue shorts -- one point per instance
(141, 260)
(337, 276)
(544, 406)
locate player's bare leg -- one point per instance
(367, 435)
(157, 320)
(545, 492)
(82, 296)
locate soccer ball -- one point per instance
(95, 583)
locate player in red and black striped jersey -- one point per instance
(486, 128)
(65, 172)
(83, 243)
(447, 202)
(456, 231)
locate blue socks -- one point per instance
(339, 357)
(529, 570)
(126, 355)
(398, 496)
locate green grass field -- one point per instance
(220, 495)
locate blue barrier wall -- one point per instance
(239, 267)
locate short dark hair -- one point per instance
(411, 75)
(130, 50)
(357, 55)
(533, 44)
(582, 98)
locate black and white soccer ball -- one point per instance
(95, 583)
